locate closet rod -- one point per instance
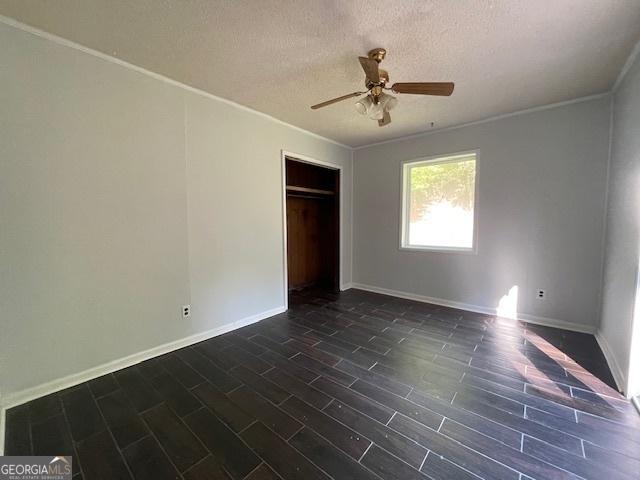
(314, 197)
(293, 188)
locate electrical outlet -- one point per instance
(186, 311)
(541, 294)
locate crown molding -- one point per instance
(489, 119)
(103, 56)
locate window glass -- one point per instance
(439, 203)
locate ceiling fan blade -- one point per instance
(370, 68)
(336, 100)
(443, 89)
(386, 120)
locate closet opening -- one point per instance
(313, 225)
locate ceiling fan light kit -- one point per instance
(364, 105)
(375, 109)
(377, 104)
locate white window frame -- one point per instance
(405, 192)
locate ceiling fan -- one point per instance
(377, 103)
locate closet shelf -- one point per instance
(293, 188)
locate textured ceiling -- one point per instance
(281, 56)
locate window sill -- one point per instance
(414, 248)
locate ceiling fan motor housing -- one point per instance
(384, 78)
(377, 54)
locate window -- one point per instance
(438, 203)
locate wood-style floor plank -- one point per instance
(100, 458)
(392, 441)
(349, 441)
(262, 409)
(349, 385)
(234, 455)
(282, 457)
(329, 458)
(182, 446)
(147, 461)
(122, 419)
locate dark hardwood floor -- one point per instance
(352, 385)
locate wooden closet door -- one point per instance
(303, 241)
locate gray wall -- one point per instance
(542, 178)
(623, 236)
(123, 197)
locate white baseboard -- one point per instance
(549, 322)
(636, 403)
(23, 396)
(346, 286)
(618, 375)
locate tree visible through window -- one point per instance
(438, 203)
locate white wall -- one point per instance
(123, 197)
(542, 178)
(234, 199)
(623, 236)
